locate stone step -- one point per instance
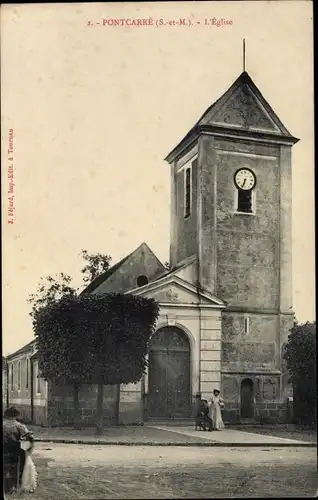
(170, 421)
(246, 421)
(190, 421)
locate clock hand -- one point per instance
(244, 183)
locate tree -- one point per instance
(96, 339)
(96, 264)
(118, 342)
(58, 343)
(51, 289)
(300, 355)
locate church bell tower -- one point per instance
(231, 209)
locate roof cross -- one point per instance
(244, 57)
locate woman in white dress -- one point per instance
(215, 405)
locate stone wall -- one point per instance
(61, 405)
(276, 413)
(268, 405)
(252, 350)
(131, 402)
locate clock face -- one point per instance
(245, 179)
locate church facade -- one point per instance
(226, 302)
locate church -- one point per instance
(226, 301)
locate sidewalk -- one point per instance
(129, 436)
(153, 435)
(233, 437)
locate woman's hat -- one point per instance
(11, 412)
(216, 390)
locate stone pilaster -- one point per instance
(207, 183)
(173, 217)
(285, 230)
(210, 355)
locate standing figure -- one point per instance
(215, 405)
(14, 456)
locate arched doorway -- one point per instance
(247, 396)
(169, 374)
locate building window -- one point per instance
(246, 325)
(27, 373)
(187, 192)
(38, 381)
(19, 375)
(12, 377)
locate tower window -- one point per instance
(142, 280)
(244, 201)
(187, 192)
(246, 325)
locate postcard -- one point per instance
(160, 151)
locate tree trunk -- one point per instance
(77, 420)
(99, 410)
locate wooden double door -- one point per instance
(169, 394)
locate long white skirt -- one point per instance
(216, 416)
(29, 475)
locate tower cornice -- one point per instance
(227, 133)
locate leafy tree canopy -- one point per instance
(101, 339)
(300, 352)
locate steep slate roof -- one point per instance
(243, 80)
(107, 274)
(104, 276)
(23, 349)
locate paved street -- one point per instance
(93, 472)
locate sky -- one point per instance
(96, 108)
